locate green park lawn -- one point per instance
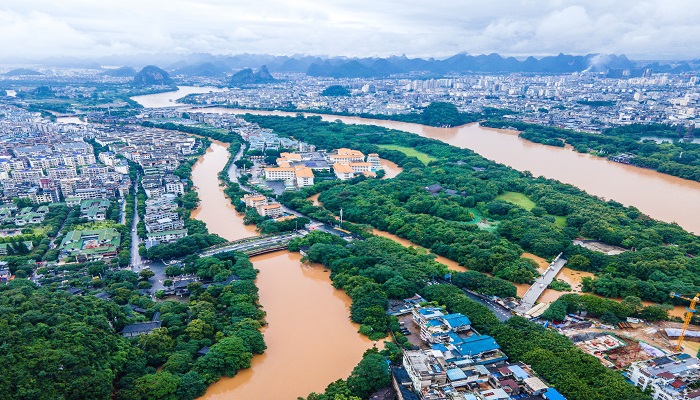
(518, 199)
(411, 152)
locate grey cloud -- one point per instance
(640, 29)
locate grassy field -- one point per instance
(411, 152)
(517, 199)
(560, 221)
(524, 202)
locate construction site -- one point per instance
(630, 342)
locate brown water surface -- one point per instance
(215, 209)
(169, 99)
(658, 195)
(314, 199)
(661, 196)
(310, 339)
(567, 275)
(391, 168)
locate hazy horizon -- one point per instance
(642, 30)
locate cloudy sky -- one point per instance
(641, 29)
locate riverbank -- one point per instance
(658, 195)
(307, 323)
(306, 316)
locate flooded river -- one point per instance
(661, 196)
(391, 169)
(215, 209)
(169, 99)
(452, 265)
(311, 341)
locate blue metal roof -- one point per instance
(431, 310)
(455, 339)
(457, 320)
(552, 394)
(456, 374)
(518, 372)
(477, 344)
(439, 346)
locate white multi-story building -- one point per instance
(166, 236)
(270, 210)
(360, 167)
(90, 193)
(62, 173)
(343, 172)
(373, 158)
(252, 200)
(669, 377)
(301, 176)
(175, 187)
(424, 369)
(345, 156)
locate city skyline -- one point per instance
(641, 30)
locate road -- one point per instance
(540, 285)
(135, 241)
(501, 312)
(122, 213)
(248, 244)
(234, 173)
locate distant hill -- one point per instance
(22, 71)
(464, 63)
(248, 77)
(200, 64)
(122, 72)
(206, 69)
(151, 75)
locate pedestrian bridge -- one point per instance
(540, 285)
(255, 245)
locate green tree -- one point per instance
(191, 386)
(224, 358)
(179, 362)
(161, 386)
(197, 329)
(146, 274)
(370, 375)
(157, 345)
(633, 302)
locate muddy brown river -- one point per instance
(310, 339)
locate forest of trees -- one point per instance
(64, 346)
(663, 261)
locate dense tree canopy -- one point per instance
(483, 232)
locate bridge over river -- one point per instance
(256, 245)
(540, 285)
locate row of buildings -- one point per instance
(456, 362)
(297, 169)
(163, 223)
(159, 153)
(670, 377)
(586, 100)
(48, 162)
